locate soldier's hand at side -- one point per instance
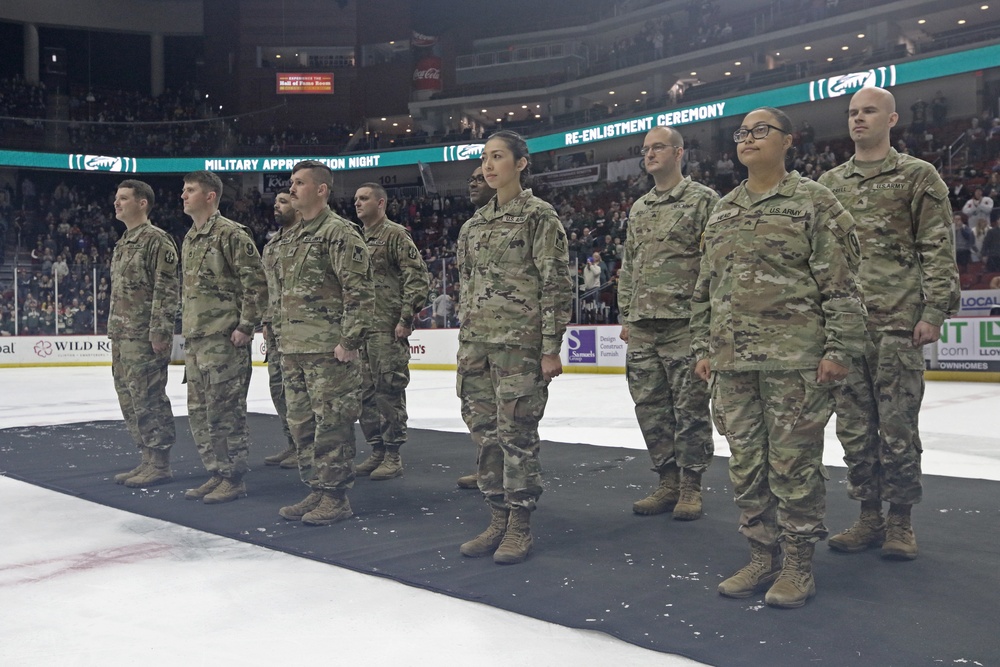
(830, 371)
(551, 366)
(703, 369)
(160, 347)
(925, 333)
(344, 355)
(240, 339)
(623, 334)
(403, 331)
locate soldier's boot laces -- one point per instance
(200, 492)
(867, 532)
(795, 584)
(391, 466)
(228, 491)
(469, 481)
(757, 575)
(900, 541)
(122, 476)
(666, 495)
(276, 459)
(369, 465)
(332, 507)
(486, 542)
(516, 542)
(300, 509)
(157, 471)
(688, 507)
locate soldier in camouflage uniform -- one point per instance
(659, 268)
(480, 193)
(401, 285)
(776, 317)
(144, 298)
(225, 293)
(910, 284)
(515, 303)
(286, 217)
(323, 310)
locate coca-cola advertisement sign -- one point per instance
(427, 75)
(421, 41)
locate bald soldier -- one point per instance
(910, 284)
(659, 270)
(401, 284)
(480, 193)
(285, 216)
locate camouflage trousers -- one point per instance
(217, 379)
(140, 377)
(503, 399)
(324, 400)
(671, 404)
(385, 374)
(277, 387)
(877, 413)
(774, 423)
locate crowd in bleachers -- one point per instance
(68, 231)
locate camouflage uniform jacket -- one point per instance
(778, 286)
(662, 252)
(144, 286)
(269, 259)
(326, 297)
(401, 280)
(908, 271)
(514, 271)
(224, 284)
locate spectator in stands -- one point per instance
(977, 210)
(965, 241)
(443, 309)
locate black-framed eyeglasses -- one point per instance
(655, 148)
(758, 131)
(473, 180)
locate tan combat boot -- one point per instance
(486, 542)
(391, 466)
(866, 533)
(688, 507)
(122, 476)
(205, 489)
(665, 496)
(373, 461)
(795, 584)
(469, 481)
(516, 542)
(300, 509)
(755, 577)
(157, 471)
(229, 490)
(290, 462)
(332, 507)
(900, 541)
(276, 459)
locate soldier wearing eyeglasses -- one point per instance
(776, 318)
(659, 269)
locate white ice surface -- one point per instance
(83, 584)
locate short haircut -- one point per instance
(321, 174)
(283, 191)
(141, 189)
(379, 191)
(676, 139)
(208, 181)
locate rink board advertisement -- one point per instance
(967, 344)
